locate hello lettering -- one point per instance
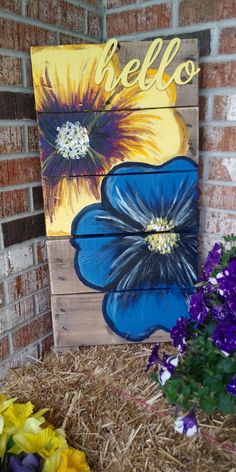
(127, 77)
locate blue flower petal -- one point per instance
(94, 220)
(93, 261)
(137, 198)
(178, 163)
(136, 315)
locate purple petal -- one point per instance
(231, 387)
(154, 357)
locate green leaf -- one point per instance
(225, 259)
(208, 405)
(226, 403)
(227, 365)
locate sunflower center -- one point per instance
(165, 241)
(72, 140)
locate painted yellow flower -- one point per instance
(45, 442)
(67, 460)
(80, 136)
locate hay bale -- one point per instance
(109, 408)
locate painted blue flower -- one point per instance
(147, 240)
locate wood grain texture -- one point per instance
(186, 95)
(78, 321)
(51, 80)
(64, 279)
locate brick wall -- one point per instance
(213, 23)
(25, 323)
(25, 319)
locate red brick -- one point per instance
(21, 37)
(224, 107)
(21, 312)
(57, 12)
(217, 222)
(29, 76)
(202, 108)
(47, 344)
(119, 3)
(200, 11)
(220, 74)
(19, 258)
(19, 171)
(11, 139)
(10, 5)
(44, 300)
(33, 138)
(41, 251)
(1, 295)
(228, 40)
(27, 283)
(142, 19)
(13, 202)
(4, 348)
(217, 196)
(94, 25)
(32, 331)
(222, 169)
(217, 139)
(10, 71)
(69, 39)
(201, 166)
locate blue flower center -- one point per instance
(164, 241)
(72, 141)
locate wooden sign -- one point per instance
(118, 128)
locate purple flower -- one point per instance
(224, 336)
(178, 334)
(187, 424)
(220, 312)
(212, 260)
(167, 368)
(231, 387)
(154, 357)
(25, 463)
(227, 280)
(167, 363)
(198, 309)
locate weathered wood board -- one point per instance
(77, 321)
(119, 154)
(64, 279)
(64, 75)
(68, 188)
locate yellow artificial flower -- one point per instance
(78, 148)
(3, 443)
(5, 402)
(19, 417)
(67, 460)
(45, 442)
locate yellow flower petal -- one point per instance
(62, 73)
(45, 443)
(3, 443)
(67, 460)
(5, 402)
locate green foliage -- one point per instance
(203, 372)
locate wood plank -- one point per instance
(186, 95)
(94, 253)
(113, 138)
(77, 321)
(65, 198)
(51, 84)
